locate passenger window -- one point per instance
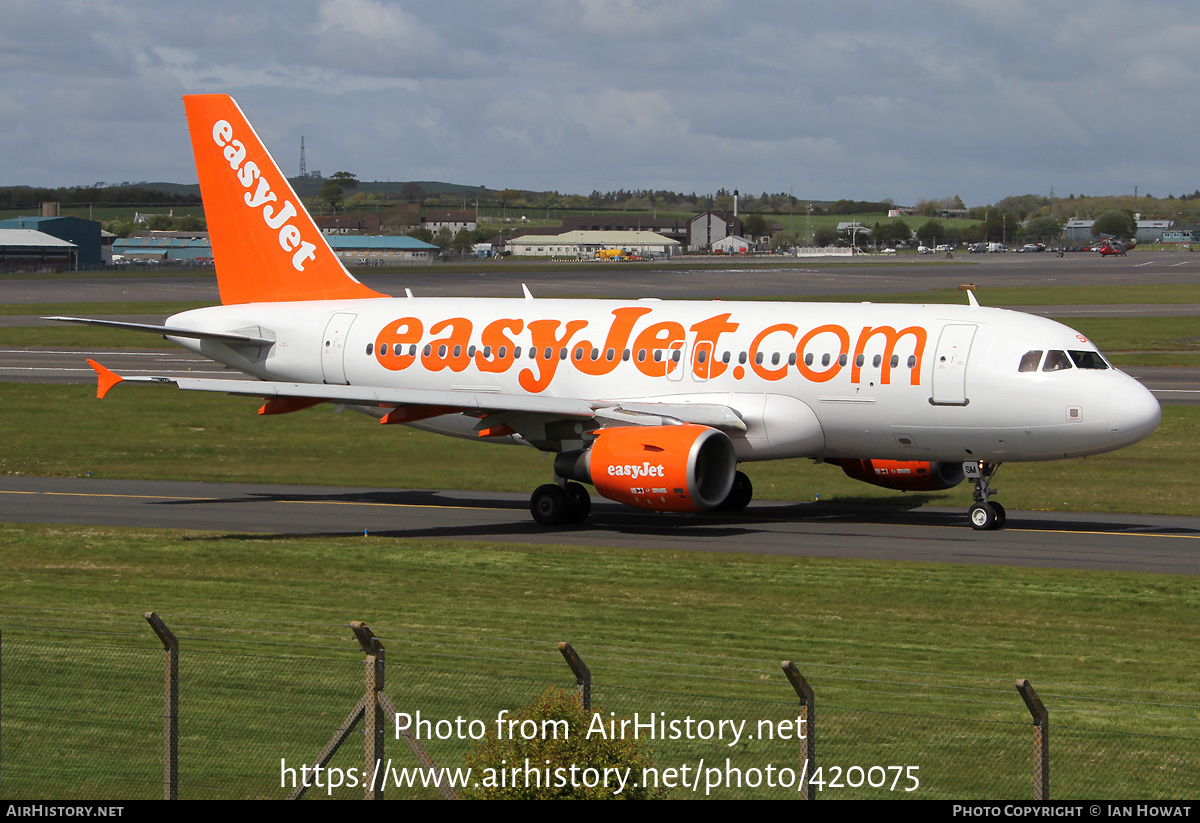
(1088, 360)
(1030, 361)
(1056, 361)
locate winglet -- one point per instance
(106, 379)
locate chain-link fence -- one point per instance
(83, 704)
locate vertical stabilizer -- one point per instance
(266, 247)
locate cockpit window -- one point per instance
(1030, 361)
(1088, 360)
(1056, 360)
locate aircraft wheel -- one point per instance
(1000, 515)
(983, 517)
(581, 503)
(740, 494)
(550, 505)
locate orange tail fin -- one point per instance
(265, 245)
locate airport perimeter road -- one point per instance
(1144, 543)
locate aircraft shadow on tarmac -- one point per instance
(615, 518)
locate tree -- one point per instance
(1041, 229)
(346, 179)
(825, 236)
(931, 231)
(1117, 222)
(332, 194)
(755, 225)
(569, 738)
(412, 193)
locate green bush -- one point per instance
(561, 761)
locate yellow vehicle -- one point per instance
(612, 254)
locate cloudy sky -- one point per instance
(855, 99)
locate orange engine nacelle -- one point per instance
(684, 468)
(905, 475)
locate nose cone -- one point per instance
(1133, 413)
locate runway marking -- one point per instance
(1147, 263)
(98, 494)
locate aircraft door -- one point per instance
(333, 349)
(950, 365)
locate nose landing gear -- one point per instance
(984, 514)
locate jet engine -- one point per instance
(684, 468)
(905, 475)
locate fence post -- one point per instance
(1041, 740)
(170, 706)
(583, 675)
(808, 716)
(373, 708)
(373, 712)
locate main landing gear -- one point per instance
(740, 494)
(557, 503)
(984, 514)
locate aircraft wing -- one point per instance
(171, 331)
(612, 412)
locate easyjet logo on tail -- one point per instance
(259, 196)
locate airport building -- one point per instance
(194, 248)
(583, 245)
(30, 250)
(360, 250)
(84, 235)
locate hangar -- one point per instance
(27, 249)
(585, 244)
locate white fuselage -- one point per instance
(824, 380)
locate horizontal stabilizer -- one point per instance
(170, 331)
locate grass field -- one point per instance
(912, 663)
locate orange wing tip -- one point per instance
(107, 378)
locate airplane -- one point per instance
(653, 403)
